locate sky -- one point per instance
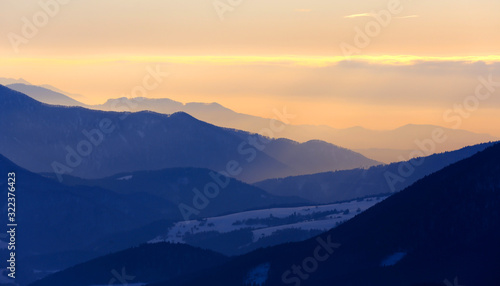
(376, 64)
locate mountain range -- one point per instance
(55, 218)
(382, 145)
(82, 219)
(351, 184)
(94, 185)
(185, 185)
(442, 230)
(91, 144)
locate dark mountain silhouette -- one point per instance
(47, 263)
(54, 218)
(313, 156)
(66, 224)
(95, 144)
(144, 264)
(443, 227)
(351, 184)
(385, 145)
(62, 217)
(181, 186)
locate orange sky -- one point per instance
(260, 54)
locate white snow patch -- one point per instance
(393, 259)
(126, 178)
(228, 223)
(258, 275)
(306, 225)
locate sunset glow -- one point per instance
(379, 65)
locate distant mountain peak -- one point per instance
(44, 95)
(35, 136)
(6, 81)
(182, 114)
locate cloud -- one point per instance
(284, 60)
(359, 15)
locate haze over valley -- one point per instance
(249, 143)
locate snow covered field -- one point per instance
(267, 221)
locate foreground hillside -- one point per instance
(63, 224)
(446, 225)
(54, 218)
(239, 233)
(138, 265)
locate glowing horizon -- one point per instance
(382, 64)
(301, 60)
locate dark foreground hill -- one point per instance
(60, 225)
(58, 217)
(443, 227)
(54, 218)
(143, 264)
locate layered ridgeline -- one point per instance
(62, 224)
(350, 184)
(92, 144)
(196, 193)
(442, 230)
(57, 217)
(385, 146)
(54, 218)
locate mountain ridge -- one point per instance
(351, 184)
(396, 142)
(153, 140)
(445, 226)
